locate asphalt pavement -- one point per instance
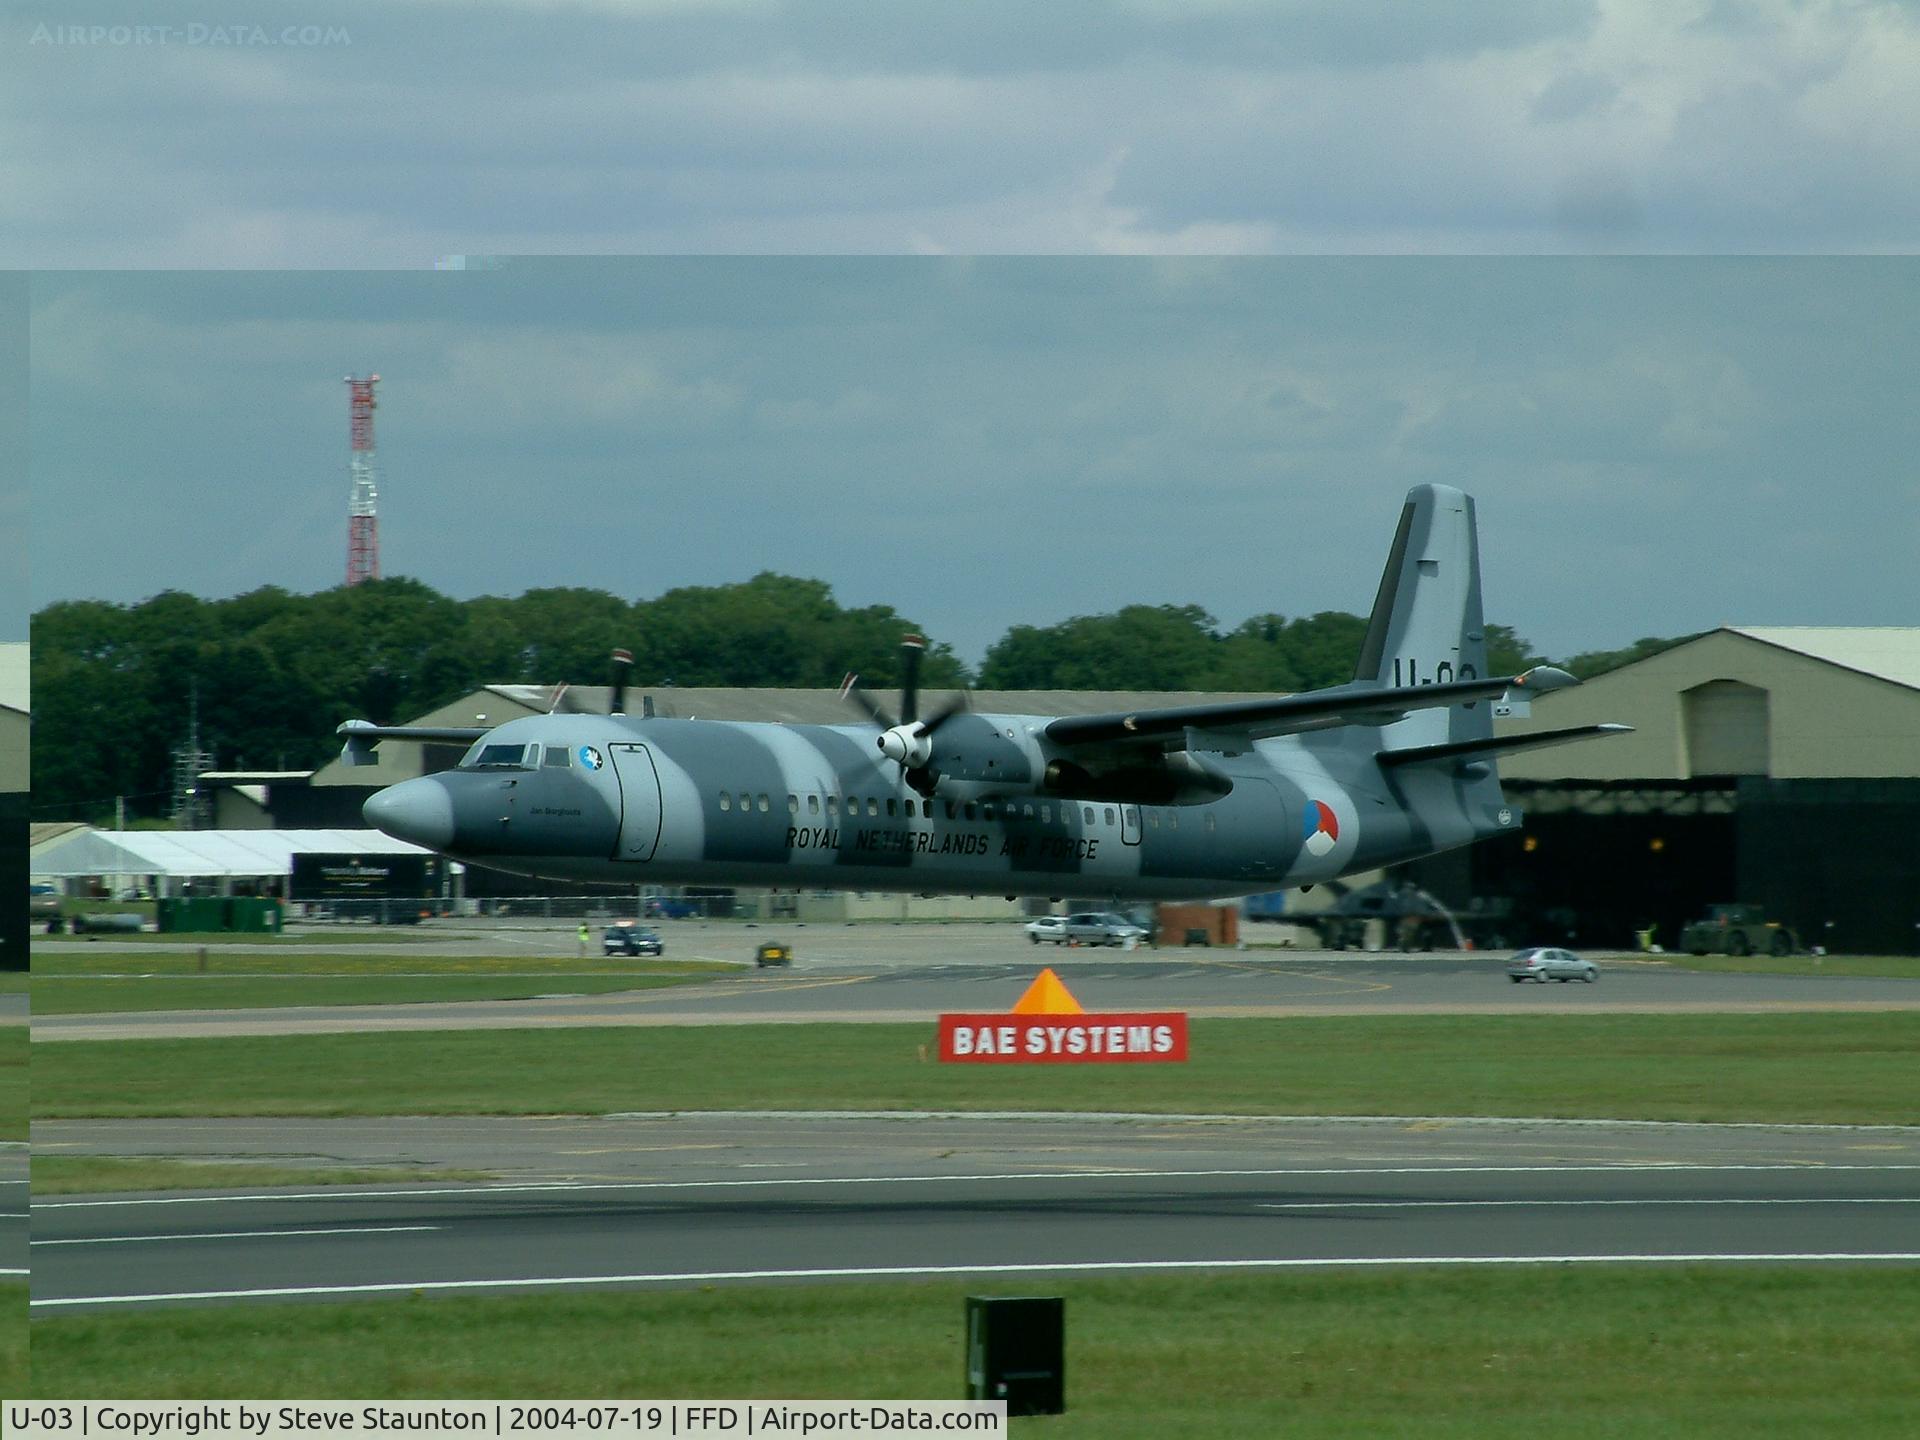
(650, 1201)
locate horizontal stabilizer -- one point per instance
(1499, 745)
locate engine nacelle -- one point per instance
(1180, 778)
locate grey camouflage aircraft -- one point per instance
(1181, 803)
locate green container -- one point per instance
(253, 916)
(218, 915)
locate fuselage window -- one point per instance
(969, 810)
(873, 806)
(1173, 822)
(763, 805)
(890, 808)
(987, 811)
(726, 801)
(746, 801)
(793, 804)
(1046, 814)
(502, 755)
(1087, 814)
(813, 804)
(1153, 818)
(950, 810)
(1210, 822)
(558, 757)
(833, 804)
(1109, 815)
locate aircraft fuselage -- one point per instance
(644, 801)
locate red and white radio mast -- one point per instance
(363, 519)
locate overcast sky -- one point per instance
(13, 457)
(331, 133)
(1658, 446)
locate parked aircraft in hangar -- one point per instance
(1186, 802)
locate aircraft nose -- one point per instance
(417, 810)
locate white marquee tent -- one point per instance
(203, 854)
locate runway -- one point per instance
(923, 979)
(649, 1201)
(13, 1213)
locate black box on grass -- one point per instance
(1017, 1352)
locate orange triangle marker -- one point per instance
(1047, 996)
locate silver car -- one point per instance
(1544, 963)
(1088, 927)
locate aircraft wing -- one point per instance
(1500, 745)
(1247, 720)
(361, 736)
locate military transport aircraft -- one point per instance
(1187, 802)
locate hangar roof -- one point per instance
(1788, 702)
(1890, 652)
(16, 676)
(205, 852)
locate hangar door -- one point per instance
(1726, 729)
(639, 802)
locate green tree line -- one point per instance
(270, 673)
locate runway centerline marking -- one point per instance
(244, 1235)
(1038, 1268)
(577, 1187)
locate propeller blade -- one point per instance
(958, 704)
(851, 692)
(911, 650)
(622, 668)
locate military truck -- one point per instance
(1737, 930)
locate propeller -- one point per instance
(907, 741)
(622, 668)
(562, 702)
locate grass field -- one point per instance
(1550, 1350)
(13, 1339)
(1836, 1068)
(390, 937)
(96, 1174)
(121, 963)
(98, 995)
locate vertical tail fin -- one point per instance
(1426, 627)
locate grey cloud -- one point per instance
(1118, 127)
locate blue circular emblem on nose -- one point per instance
(589, 757)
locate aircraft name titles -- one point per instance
(950, 842)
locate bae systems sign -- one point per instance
(1063, 1039)
(1048, 1026)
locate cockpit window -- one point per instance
(558, 757)
(513, 755)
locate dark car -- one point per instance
(631, 939)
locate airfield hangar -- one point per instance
(1777, 767)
